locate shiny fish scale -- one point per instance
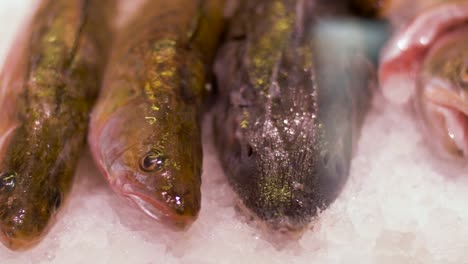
(55, 78)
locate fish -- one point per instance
(425, 66)
(291, 100)
(47, 88)
(145, 133)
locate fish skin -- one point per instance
(287, 115)
(145, 130)
(47, 88)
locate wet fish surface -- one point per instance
(48, 86)
(145, 130)
(294, 88)
(425, 65)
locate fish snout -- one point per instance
(23, 228)
(178, 211)
(286, 222)
(26, 210)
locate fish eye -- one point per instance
(249, 151)
(246, 151)
(152, 161)
(56, 199)
(7, 181)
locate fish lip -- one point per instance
(279, 231)
(18, 244)
(447, 98)
(19, 239)
(159, 211)
(441, 96)
(284, 229)
(152, 207)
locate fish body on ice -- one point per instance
(291, 99)
(426, 64)
(145, 130)
(47, 88)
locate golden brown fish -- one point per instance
(47, 88)
(145, 129)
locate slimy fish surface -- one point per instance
(145, 130)
(293, 91)
(426, 64)
(47, 88)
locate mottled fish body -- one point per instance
(292, 96)
(48, 85)
(145, 129)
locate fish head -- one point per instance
(276, 173)
(26, 209)
(443, 93)
(32, 188)
(154, 163)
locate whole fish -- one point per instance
(426, 64)
(47, 88)
(145, 130)
(292, 98)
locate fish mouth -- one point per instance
(154, 205)
(17, 243)
(280, 231)
(453, 108)
(160, 211)
(21, 236)
(283, 230)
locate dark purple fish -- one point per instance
(293, 91)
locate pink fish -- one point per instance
(426, 64)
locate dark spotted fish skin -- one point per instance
(145, 130)
(291, 101)
(47, 88)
